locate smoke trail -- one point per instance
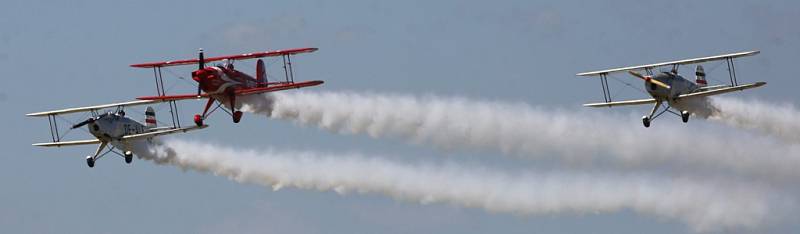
(781, 120)
(520, 129)
(703, 206)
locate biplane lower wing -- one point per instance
(271, 88)
(622, 103)
(128, 137)
(722, 90)
(173, 97)
(68, 143)
(162, 132)
(705, 93)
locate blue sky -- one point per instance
(64, 54)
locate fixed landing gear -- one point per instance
(90, 161)
(128, 157)
(198, 120)
(237, 116)
(685, 116)
(646, 121)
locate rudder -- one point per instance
(700, 76)
(150, 117)
(261, 73)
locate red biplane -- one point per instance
(223, 83)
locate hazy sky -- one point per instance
(72, 53)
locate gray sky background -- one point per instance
(58, 54)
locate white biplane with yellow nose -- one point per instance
(683, 95)
(112, 127)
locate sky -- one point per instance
(75, 53)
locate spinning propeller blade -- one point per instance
(85, 122)
(201, 64)
(649, 79)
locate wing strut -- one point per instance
(288, 71)
(53, 128)
(732, 71)
(173, 106)
(606, 89)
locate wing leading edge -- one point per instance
(622, 103)
(68, 143)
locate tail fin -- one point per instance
(261, 73)
(150, 117)
(700, 74)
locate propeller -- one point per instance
(649, 79)
(90, 120)
(85, 122)
(201, 64)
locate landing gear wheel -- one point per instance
(237, 116)
(128, 157)
(646, 121)
(685, 116)
(90, 161)
(198, 120)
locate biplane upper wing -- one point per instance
(91, 108)
(68, 143)
(677, 62)
(722, 90)
(621, 103)
(162, 132)
(274, 53)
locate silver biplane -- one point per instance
(683, 95)
(111, 127)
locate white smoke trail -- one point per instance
(703, 206)
(520, 129)
(780, 120)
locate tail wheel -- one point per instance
(237, 116)
(685, 116)
(128, 157)
(198, 120)
(646, 121)
(90, 161)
